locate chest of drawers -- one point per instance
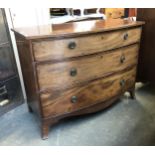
(77, 68)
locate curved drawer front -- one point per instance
(61, 102)
(67, 74)
(66, 48)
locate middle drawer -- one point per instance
(67, 74)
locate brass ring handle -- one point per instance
(122, 83)
(125, 36)
(122, 59)
(74, 99)
(72, 45)
(73, 72)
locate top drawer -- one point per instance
(79, 46)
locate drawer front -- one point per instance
(81, 97)
(68, 74)
(74, 47)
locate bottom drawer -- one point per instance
(86, 95)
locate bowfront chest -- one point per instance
(77, 68)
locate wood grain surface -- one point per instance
(56, 76)
(75, 28)
(28, 71)
(100, 90)
(58, 49)
(77, 68)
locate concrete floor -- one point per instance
(128, 122)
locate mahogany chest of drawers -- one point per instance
(77, 68)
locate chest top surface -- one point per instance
(75, 28)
